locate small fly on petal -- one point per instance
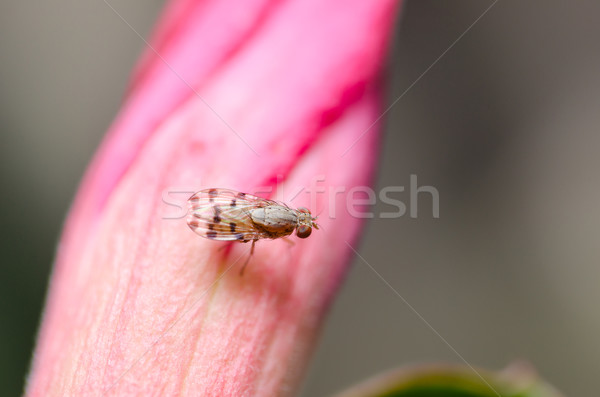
(228, 215)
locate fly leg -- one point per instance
(287, 240)
(248, 260)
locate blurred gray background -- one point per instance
(505, 126)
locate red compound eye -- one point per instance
(303, 231)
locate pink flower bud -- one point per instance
(230, 95)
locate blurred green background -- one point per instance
(504, 125)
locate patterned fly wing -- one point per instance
(225, 215)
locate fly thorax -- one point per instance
(277, 220)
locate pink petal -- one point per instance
(136, 304)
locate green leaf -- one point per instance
(518, 380)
